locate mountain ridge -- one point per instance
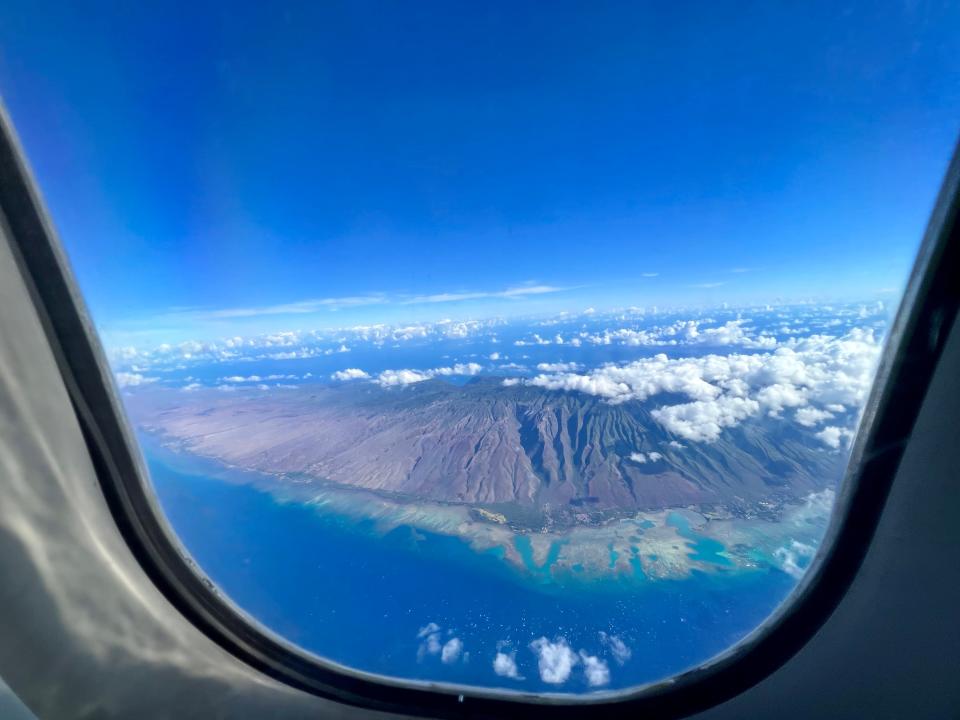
(486, 444)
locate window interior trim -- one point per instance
(912, 351)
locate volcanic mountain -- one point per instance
(489, 444)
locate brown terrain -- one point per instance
(487, 444)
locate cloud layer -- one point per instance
(808, 376)
(717, 369)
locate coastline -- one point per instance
(672, 543)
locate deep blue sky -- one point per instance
(221, 157)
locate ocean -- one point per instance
(419, 605)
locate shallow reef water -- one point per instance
(418, 595)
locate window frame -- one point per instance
(912, 350)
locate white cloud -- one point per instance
(471, 368)
(505, 665)
(494, 356)
(518, 292)
(703, 420)
(559, 367)
(390, 378)
(810, 416)
(451, 651)
(315, 305)
(535, 339)
(774, 398)
(555, 660)
(290, 344)
(428, 629)
(725, 390)
(831, 436)
(683, 332)
(430, 644)
(293, 308)
(433, 644)
(242, 379)
(513, 366)
(617, 647)
(794, 558)
(654, 456)
(638, 457)
(350, 374)
(127, 379)
(595, 669)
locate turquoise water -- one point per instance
(525, 549)
(342, 589)
(704, 549)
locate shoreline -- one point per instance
(672, 543)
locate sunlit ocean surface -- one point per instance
(388, 603)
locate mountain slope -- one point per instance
(490, 444)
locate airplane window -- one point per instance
(500, 346)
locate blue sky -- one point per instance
(217, 169)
